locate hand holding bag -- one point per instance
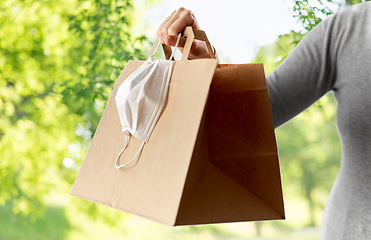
(212, 155)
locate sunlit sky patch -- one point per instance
(236, 28)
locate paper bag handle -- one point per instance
(192, 34)
(166, 48)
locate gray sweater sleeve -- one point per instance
(306, 74)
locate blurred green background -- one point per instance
(59, 61)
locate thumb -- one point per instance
(171, 41)
(198, 48)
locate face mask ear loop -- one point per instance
(127, 140)
(175, 47)
(153, 55)
(126, 145)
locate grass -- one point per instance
(53, 226)
(63, 223)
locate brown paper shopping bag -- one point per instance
(212, 157)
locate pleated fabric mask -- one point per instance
(141, 98)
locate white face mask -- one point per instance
(141, 98)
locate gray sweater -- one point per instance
(336, 56)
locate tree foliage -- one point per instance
(310, 13)
(58, 63)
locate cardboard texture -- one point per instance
(212, 157)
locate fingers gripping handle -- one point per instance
(192, 34)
